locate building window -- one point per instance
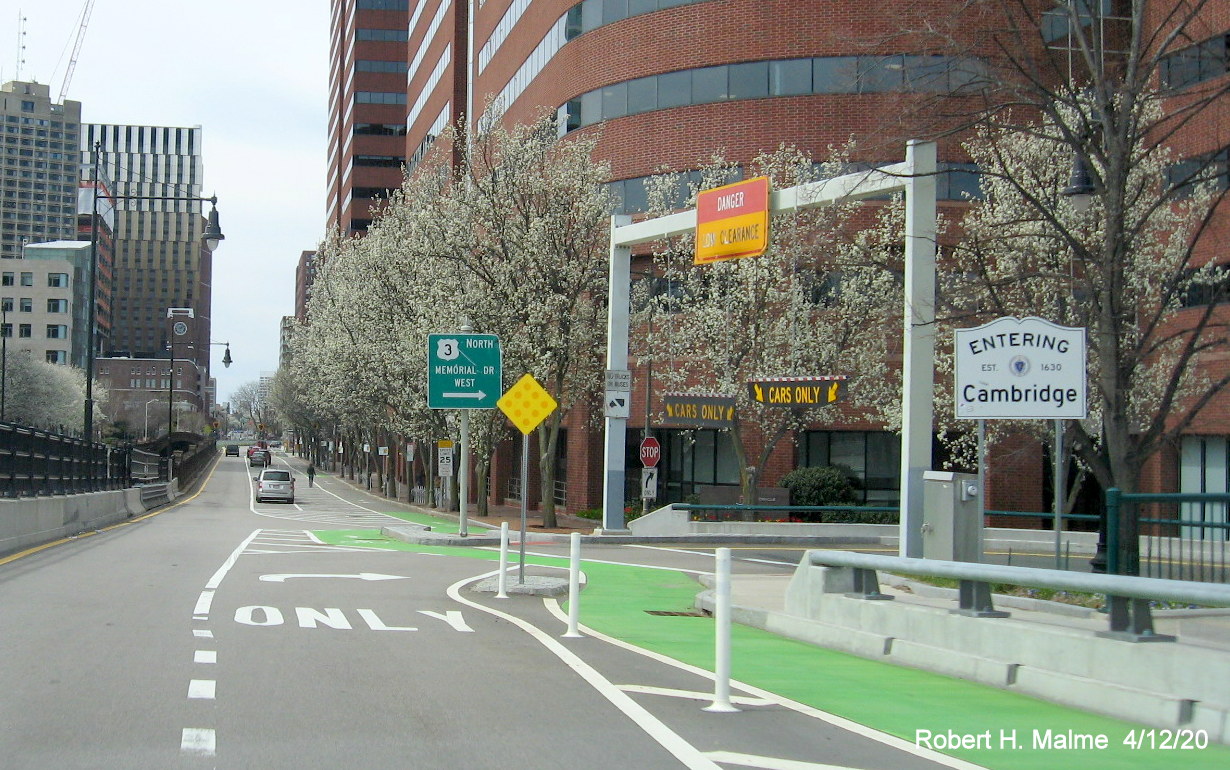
(1204, 467)
(57, 356)
(6, 330)
(1196, 63)
(379, 129)
(383, 161)
(383, 35)
(384, 5)
(376, 65)
(7, 304)
(757, 80)
(26, 305)
(27, 279)
(380, 97)
(25, 331)
(8, 279)
(57, 306)
(1210, 167)
(872, 460)
(57, 332)
(57, 280)
(697, 459)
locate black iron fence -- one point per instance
(36, 462)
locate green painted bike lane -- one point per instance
(896, 700)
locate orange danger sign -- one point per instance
(732, 221)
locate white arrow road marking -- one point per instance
(360, 576)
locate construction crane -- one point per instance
(72, 60)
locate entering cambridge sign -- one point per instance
(1021, 369)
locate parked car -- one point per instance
(232, 450)
(259, 457)
(275, 485)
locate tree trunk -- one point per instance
(548, 435)
(482, 472)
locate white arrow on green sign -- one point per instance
(464, 371)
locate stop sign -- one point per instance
(651, 452)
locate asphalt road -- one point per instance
(225, 633)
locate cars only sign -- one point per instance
(1020, 369)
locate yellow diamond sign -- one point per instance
(527, 404)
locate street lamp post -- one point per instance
(210, 239)
(147, 403)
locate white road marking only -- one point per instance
(693, 695)
(199, 741)
(685, 752)
(203, 689)
(768, 763)
(837, 721)
(360, 576)
(205, 656)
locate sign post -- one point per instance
(464, 371)
(1022, 369)
(650, 453)
(526, 404)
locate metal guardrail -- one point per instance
(783, 513)
(1127, 596)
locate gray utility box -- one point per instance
(952, 517)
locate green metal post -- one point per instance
(1112, 531)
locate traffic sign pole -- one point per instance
(526, 404)
(464, 371)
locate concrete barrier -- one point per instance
(31, 521)
(1061, 659)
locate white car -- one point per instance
(275, 485)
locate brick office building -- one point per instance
(666, 82)
(367, 108)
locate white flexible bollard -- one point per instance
(721, 616)
(574, 586)
(502, 580)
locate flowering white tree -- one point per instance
(1117, 87)
(527, 225)
(814, 304)
(48, 396)
(1125, 269)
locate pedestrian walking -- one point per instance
(311, 472)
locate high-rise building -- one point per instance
(160, 261)
(38, 167)
(305, 275)
(666, 83)
(367, 107)
(45, 296)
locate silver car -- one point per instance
(275, 485)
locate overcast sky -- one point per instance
(254, 75)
